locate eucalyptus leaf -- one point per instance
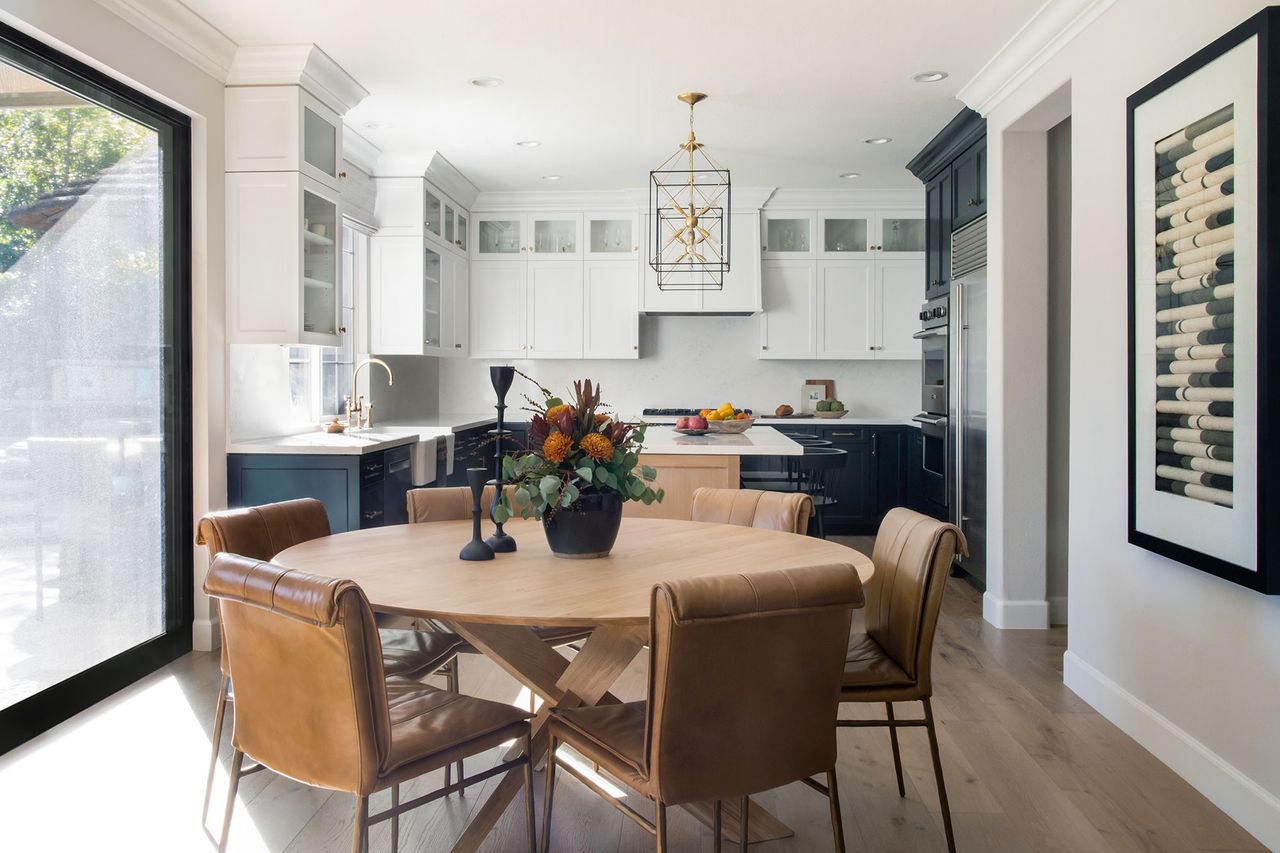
(549, 487)
(501, 514)
(585, 473)
(648, 472)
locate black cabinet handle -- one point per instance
(875, 436)
(853, 434)
(973, 202)
(371, 514)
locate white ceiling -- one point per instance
(795, 86)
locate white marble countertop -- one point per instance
(757, 441)
(847, 420)
(319, 442)
(454, 422)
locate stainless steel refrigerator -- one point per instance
(967, 398)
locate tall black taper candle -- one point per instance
(501, 377)
(476, 549)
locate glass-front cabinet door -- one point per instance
(320, 257)
(460, 236)
(787, 235)
(321, 141)
(449, 223)
(432, 300)
(432, 212)
(498, 235)
(556, 236)
(901, 234)
(611, 236)
(846, 234)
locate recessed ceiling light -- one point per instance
(486, 82)
(929, 76)
(528, 143)
(372, 125)
(851, 175)
(878, 140)
(550, 177)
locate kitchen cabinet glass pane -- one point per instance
(788, 235)
(448, 224)
(431, 212)
(319, 142)
(499, 237)
(431, 298)
(461, 240)
(555, 236)
(903, 235)
(844, 235)
(611, 235)
(319, 265)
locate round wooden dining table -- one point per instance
(414, 570)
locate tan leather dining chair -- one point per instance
(261, 532)
(892, 661)
(728, 713)
(305, 648)
(788, 511)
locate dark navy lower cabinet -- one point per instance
(874, 479)
(357, 491)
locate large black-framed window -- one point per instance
(95, 386)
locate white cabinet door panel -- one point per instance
(846, 309)
(787, 324)
(395, 322)
(611, 318)
(498, 309)
(899, 291)
(460, 296)
(554, 309)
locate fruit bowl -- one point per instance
(686, 431)
(732, 427)
(839, 414)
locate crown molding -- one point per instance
(1056, 23)
(358, 150)
(302, 65)
(838, 199)
(181, 30)
(446, 177)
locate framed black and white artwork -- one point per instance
(1203, 328)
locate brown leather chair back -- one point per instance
(451, 503)
(744, 679)
(789, 511)
(304, 653)
(912, 555)
(263, 531)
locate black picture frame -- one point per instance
(1265, 26)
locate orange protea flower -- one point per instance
(557, 447)
(554, 411)
(597, 446)
(600, 419)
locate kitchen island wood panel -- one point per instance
(679, 475)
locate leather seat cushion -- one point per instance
(867, 665)
(415, 654)
(426, 721)
(610, 735)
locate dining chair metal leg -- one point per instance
(897, 756)
(717, 826)
(528, 791)
(237, 759)
(931, 728)
(360, 833)
(660, 825)
(218, 715)
(837, 822)
(452, 685)
(395, 818)
(549, 795)
(744, 810)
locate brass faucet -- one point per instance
(355, 405)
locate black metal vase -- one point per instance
(588, 529)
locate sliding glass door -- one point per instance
(95, 530)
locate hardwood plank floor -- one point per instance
(1029, 766)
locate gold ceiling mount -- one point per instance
(691, 98)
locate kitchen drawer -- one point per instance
(846, 434)
(371, 505)
(371, 467)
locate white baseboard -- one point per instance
(1057, 610)
(204, 635)
(1248, 803)
(1015, 614)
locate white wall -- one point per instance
(94, 35)
(1058, 388)
(696, 361)
(1185, 663)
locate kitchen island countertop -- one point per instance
(756, 441)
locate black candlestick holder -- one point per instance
(476, 549)
(501, 377)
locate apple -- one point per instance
(682, 423)
(697, 422)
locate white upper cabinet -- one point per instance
(282, 129)
(611, 317)
(555, 236)
(846, 309)
(498, 304)
(611, 236)
(787, 324)
(283, 254)
(845, 235)
(498, 236)
(899, 284)
(536, 236)
(740, 293)
(900, 234)
(555, 328)
(787, 235)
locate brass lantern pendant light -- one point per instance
(689, 211)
